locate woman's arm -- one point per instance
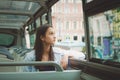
(28, 58)
(64, 61)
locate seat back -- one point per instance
(59, 74)
(3, 58)
(47, 75)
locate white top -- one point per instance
(31, 57)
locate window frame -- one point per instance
(92, 8)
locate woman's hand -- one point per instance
(64, 61)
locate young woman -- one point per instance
(43, 51)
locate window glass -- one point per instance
(67, 26)
(15, 13)
(31, 27)
(38, 22)
(32, 40)
(6, 39)
(105, 35)
(75, 25)
(44, 20)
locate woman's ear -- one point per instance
(41, 37)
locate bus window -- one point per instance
(38, 23)
(68, 24)
(104, 35)
(44, 18)
(32, 40)
(101, 19)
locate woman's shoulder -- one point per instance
(58, 50)
(30, 56)
(58, 53)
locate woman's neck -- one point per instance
(46, 49)
(45, 56)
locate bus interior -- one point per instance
(21, 18)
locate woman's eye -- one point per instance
(51, 33)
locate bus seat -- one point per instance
(4, 51)
(59, 74)
(46, 75)
(7, 68)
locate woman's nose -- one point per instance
(55, 37)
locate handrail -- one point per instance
(35, 63)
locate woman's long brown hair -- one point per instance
(38, 47)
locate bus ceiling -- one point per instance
(20, 13)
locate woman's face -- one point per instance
(49, 37)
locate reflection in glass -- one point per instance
(105, 35)
(44, 19)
